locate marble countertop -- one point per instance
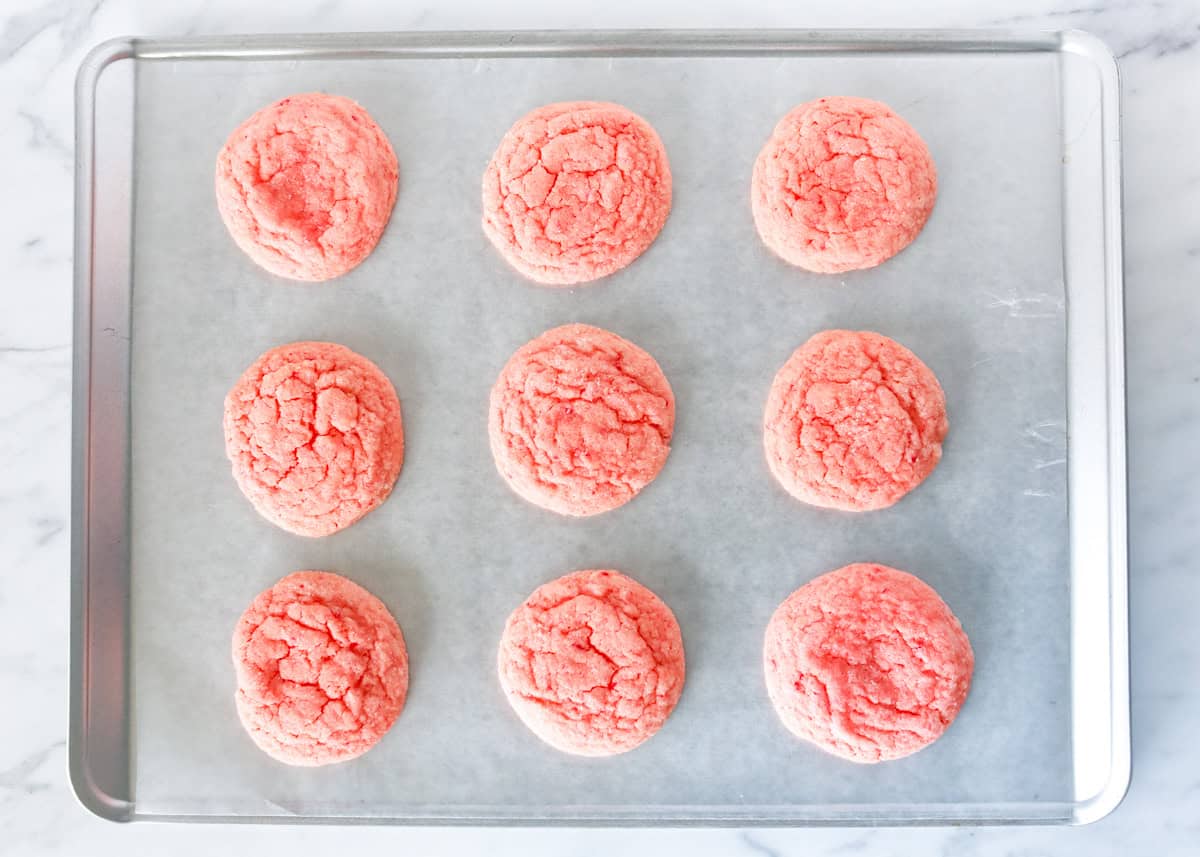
(1158, 43)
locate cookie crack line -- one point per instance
(851, 437)
(321, 667)
(888, 381)
(559, 397)
(877, 704)
(833, 439)
(313, 456)
(616, 668)
(842, 184)
(323, 661)
(556, 461)
(891, 661)
(276, 674)
(580, 420)
(592, 663)
(306, 186)
(601, 236)
(576, 191)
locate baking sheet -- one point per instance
(979, 296)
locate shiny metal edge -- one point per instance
(543, 43)
(1093, 807)
(84, 783)
(732, 817)
(615, 43)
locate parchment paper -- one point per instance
(979, 296)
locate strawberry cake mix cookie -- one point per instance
(313, 432)
(321, 667)
(576, 191)
(592, 663)
(306, 186)
(580, 420)
(867, 662)
(843, 183)
(854, 421)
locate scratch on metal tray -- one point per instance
(1028, 306)
(1038, 432)
(1042, 464)
(1036, 492)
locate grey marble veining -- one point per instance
(41, 43)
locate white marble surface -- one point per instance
(41, 43)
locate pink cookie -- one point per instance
(867, 662)
(843, 183)
(592, 663)
(580, 420)
(306, 186)
(854, 421)
(576, 191)
(322, 671)
(314, 434)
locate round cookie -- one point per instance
(592, 663)
(580, 420)
(314, 434)
(576, 191)
(867, 662)
(322, 671)
(854, 421)
(843, 183)
(306, 186)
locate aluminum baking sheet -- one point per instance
(984, 296)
